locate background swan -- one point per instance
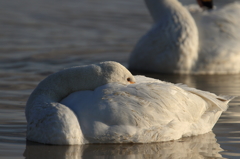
(108, 109)
(203, 42)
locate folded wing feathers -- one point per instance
(220, 101)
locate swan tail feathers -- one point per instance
(226, 98)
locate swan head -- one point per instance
(113, 72)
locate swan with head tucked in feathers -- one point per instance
(105, 103)
(189, 40)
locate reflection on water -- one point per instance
(197, 147)
(39, 37)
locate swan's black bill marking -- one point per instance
(208, 4)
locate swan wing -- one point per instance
(148, 111)
(218, 101)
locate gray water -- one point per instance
(39, 37)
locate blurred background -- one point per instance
(39, 37)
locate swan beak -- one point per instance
(205, 4)
(131, 82)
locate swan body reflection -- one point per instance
(196, 147)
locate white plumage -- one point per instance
(189, 40)
(115, 111)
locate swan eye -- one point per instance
(130, 80)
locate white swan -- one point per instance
(108, 109)
(203, 42)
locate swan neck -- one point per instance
(58, 85)
(160, 9)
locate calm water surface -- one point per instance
(39, 37)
